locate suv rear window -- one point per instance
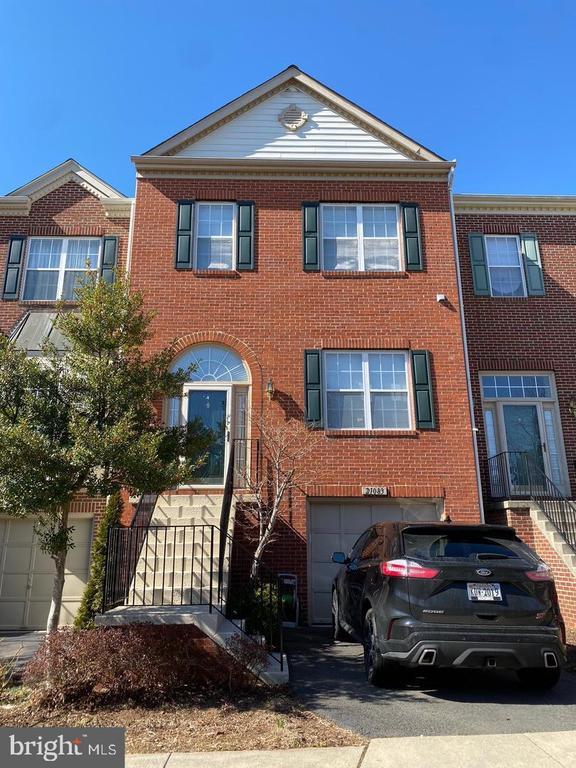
(460, 546)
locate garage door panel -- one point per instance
(355, 519)
(323, 518)
(13, 585)
(16, 558)
(321, 610)
(41, 586)
(336, 525)
(13, 613)
(27, 575)
(21, 532)
(323, 544)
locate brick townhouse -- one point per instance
(300, 252)
(518, 268)
(51, 230)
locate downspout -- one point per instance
(131, 234)
(465, 344)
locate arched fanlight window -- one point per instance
(213, 363)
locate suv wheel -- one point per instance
(538, 678)
(378, 671)
(337, 632)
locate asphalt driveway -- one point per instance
(329, 678)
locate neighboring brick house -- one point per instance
(50, 229)
(303, 244)
(518, 272)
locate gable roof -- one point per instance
(293, 76)
(19, 200)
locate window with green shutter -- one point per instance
(423, 395)
(313, 387)
(412, 240)
(14, 265)
(109, 259)
(506, 265)
(245, 256)
(311, 251)
(184, 230)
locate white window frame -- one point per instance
(61, 267)
(495, 405)
(234, 234)
(360, 235)
(366, 389)
(521, 265)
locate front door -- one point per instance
(211, 407)
(522, 431)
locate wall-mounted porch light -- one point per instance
(270, 389)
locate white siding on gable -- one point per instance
(257, 133)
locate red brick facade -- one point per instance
(527, 334)
(67, 211)
(272, 314)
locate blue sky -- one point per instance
(490, 83)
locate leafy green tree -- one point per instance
(85, 419)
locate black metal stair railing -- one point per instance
(180, 566)
(123, 551)
(516, 475)
(558, 509)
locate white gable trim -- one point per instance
(292, 74)
(149, 166)
(550, 205)
(18, 202)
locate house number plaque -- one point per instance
(374, 490)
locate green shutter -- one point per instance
(412, 242)
(313, 382)
(14, 264)
(109, 259)
(311, 254)
(245, 258)
(184, 230)
(479, 264)
(532, 264)
(423, 396)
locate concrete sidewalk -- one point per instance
(517, 750)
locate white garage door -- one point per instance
(26, 574)
(335, 525)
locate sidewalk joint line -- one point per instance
(363, 755)
(529, 737)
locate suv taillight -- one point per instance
(408, 569)
(542, 573)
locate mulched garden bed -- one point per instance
(256, 721)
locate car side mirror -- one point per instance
(339, 558)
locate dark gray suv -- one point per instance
(445, 595)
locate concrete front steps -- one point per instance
(213, 624)
(554, 538)
(179, 564)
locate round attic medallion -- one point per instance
(292, 117)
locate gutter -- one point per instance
(465, 343)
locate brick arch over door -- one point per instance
(227, 340)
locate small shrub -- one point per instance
(143, 663)
(250, 658)
(93, 596)
(7, 671)
(258, 605)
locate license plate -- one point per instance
(484, 592)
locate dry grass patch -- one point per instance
(263, 720)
